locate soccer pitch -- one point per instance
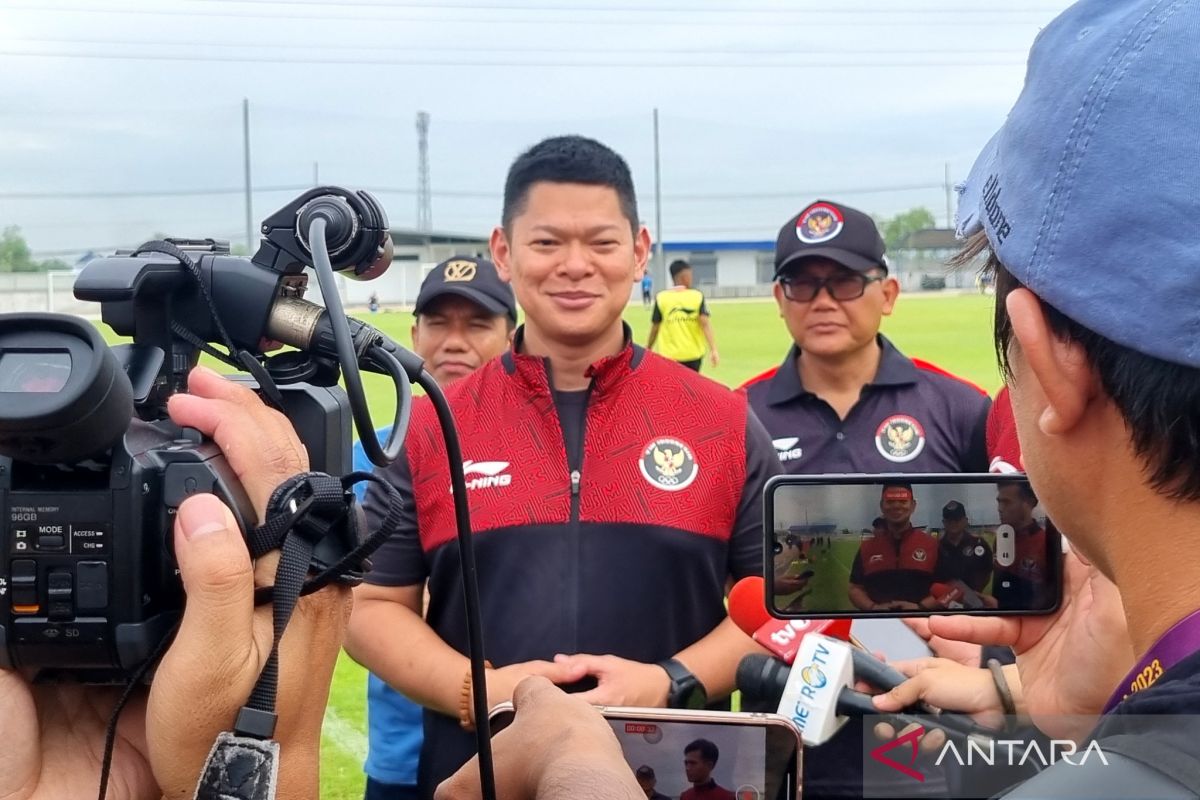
(952, 331)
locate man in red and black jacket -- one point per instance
(894, 569)
(613, 493)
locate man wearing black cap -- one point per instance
(465, 317)
(962, 556)
(845, 399)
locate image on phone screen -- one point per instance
(910, 545)
(685, 760)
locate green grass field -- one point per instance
(953, 331)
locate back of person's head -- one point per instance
(708, 751)
(677, 267)
(568, 159)
(1116, 272)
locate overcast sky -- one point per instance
(763, 105)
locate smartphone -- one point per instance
(753, 756)
(910, 545)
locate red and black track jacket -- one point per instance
(628, 554)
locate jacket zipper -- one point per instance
(574, 545)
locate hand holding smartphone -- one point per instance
(745, 756)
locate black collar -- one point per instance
(895, 369)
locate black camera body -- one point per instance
(91, 469)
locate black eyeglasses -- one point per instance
(841, 285)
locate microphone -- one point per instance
(816, 693)
(309, 327)
(783, 637)
(956, 595)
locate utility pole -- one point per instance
(659, 273)
(424, 198)
(246, 155)
(316, 174)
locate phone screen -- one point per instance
(913, 544)
(746, 762)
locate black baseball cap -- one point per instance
(475, 279)
(954, 510)
(830, 230)
(645, 771)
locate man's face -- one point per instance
(698, 770)
(897, 506)
(457, 337)
(571, 256)
(955, 527)
(647, 785)
(1013, 507)
(831, 328)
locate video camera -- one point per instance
(92, 470)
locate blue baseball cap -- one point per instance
(1090, 192)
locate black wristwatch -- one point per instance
(686, 691)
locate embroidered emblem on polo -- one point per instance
(900, 438)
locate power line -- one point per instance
(109, 195)
(849, 16)
(823, 62)
(692, 51)
(475, 19)
(738, 8)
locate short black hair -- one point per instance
(707, 750)
(896, 485)
(568, 159)
(1159, 401)
(678, 266)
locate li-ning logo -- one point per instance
(460, 271)
(989, 752)
(492, 473)
(991, 204)
(786, 448)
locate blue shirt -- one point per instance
(647, 282)
(394, 723)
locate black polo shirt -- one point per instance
(969, 561)
(913, 417)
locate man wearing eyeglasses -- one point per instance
(845, 399)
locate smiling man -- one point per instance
(623, 491)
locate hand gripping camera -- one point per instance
(91, 469)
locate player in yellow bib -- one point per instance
(679, 323)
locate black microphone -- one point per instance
(763, 679)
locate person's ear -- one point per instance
(891, 291)
(415, 334)
(780, 298)
(641, 251)
(1060, 367)
(501, 253)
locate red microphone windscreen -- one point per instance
(747, 607)
(939, 589)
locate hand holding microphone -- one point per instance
(783, 637)
(817, 693)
